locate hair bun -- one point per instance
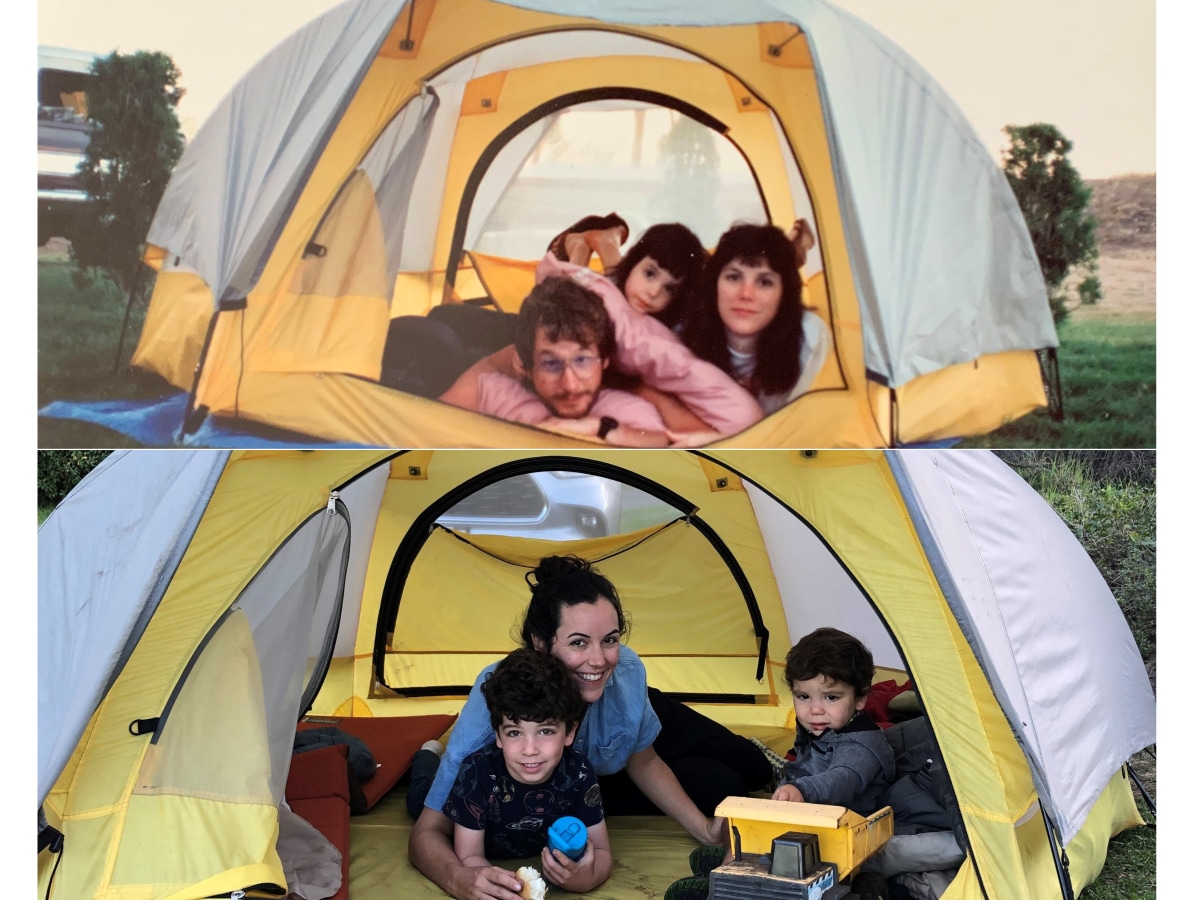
(551, 567)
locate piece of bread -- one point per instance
(534, 888)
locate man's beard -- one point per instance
(571, 405)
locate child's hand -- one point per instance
(565, 872)
(788, 792)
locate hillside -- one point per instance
(1126, 212)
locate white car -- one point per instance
(558, 506)
(62, 120)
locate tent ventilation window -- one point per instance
(514, 514)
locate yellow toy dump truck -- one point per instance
(794, 851)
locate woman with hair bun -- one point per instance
(653, 754)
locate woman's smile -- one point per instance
(588, 641)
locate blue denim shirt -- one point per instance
(615, 727)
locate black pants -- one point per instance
(710, 761)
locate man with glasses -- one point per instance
(563, 342)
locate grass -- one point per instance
(79, 330)
(1129, 870)
(1107, 368)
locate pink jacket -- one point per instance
(648, 348)
(507, 398)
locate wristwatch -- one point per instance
(607, 424)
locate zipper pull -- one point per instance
(331, 506)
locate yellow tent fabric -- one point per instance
(758, 86)
(192, 813)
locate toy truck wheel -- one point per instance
(869, 886)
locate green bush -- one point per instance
(60, 470)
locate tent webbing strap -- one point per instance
(143, 726)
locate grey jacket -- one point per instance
(852, 767)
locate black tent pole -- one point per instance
(1059, 852)
(137, 280)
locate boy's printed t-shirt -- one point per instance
(514, 816)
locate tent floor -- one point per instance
(649, 852)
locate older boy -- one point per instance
(506, 797)
(842, 757)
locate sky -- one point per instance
(1086, 66)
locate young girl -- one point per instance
(657, 274)
(747, 318)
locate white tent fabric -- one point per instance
(944, 266)
(102, 568)
(362, 498)
(238, 179)
(816, 589)
(1028, 597)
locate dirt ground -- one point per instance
(1128, 280)
(1126, 211)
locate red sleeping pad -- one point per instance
(318, 782)
(318, 790)
(393, 741)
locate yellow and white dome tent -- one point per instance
(388, 158)
(212, 598)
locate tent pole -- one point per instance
(137, 280)
(1061, 863)
(1048, 361)
(1141, 787)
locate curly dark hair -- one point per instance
(568, 311)
(676, 248)
(834, 654)
(777, 365)
(560, 581)
(528, 686)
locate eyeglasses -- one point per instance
(553, 367)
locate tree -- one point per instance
(135, 142)
(691, 186)
(58, 471)
(1054, 201)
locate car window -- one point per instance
(557, 506)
